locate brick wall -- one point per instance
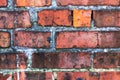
(59, 39)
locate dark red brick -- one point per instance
(51, 18)
(7, 61)
(22, 59)
(32, 39)
(76, 40)
(76, 76)
(61, 60)
(107, 60)
(110, 75)
(38, 60)
(36, 76)
(23, 20)
(109, 39)
(3, 3)
(107, 18)
(88, 2)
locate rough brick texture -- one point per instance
(61, 60)
(35, 76)
(88, 39)
(76, 40)
(5, 77)
(109, 39)
(4, 39)
(51, 18)
(8, 19)
(59, 39)
(3, 3)
(107, 60)
(77, 76)
(7, 61)
(82, 18)
(32, 39)
(25, 3)
(87, 2)
(107, 18)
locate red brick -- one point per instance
(3, 3)
(38, 60)
(74, 60)
(45, 18)
(51, 18)
(22, 59)
(25, 3)
(5, 77)
(4, 39)
(109, 39)
(7, 61)
(36, 76)
(31, 39)
(110, 76)
(23, 20)
(76, 76)
(7, 20)
(82, 18)
(76, 40)
(87, 2)
(107, 18)
(63, 19)
(61, 60)
(107, 60)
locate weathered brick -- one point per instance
(23, 20)
(45, 17)
(5, 77)
(51, 18)
(110, 76)
(38, 60)
(88, 2)
(61, 60)
(7, 61)
(107, 60)
(25, 3)
(7, 20)
(63, 19)
(36, 76)
(82, 18)
(32, 39)
(4, 39)
(3, 3)
(76, 76)
(76, 40)
(107, 18)
(74, 60)
(109, 39)
(22, 59)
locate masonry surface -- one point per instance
(59, 39)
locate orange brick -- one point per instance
(82, 18)
(3, 2)
(33, 2)
(4, 39)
